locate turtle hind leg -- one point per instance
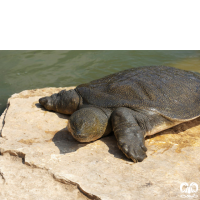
(129, 134)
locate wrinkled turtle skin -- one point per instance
(132, 103)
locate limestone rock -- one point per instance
(99, 169)
(21, 182)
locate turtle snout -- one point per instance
(43, 101)
(46, 102)
(78, 134)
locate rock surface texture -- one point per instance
(40, 159)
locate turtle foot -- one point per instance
(133, 147)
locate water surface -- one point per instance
(23, 70)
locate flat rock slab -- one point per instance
(99, 169)
(22, 182)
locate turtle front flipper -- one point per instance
(129, 134)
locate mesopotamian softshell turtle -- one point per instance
(133, 104)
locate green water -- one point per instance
(23, 70)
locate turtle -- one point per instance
(133, 103)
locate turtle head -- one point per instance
(65, 102)
(89, 124)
